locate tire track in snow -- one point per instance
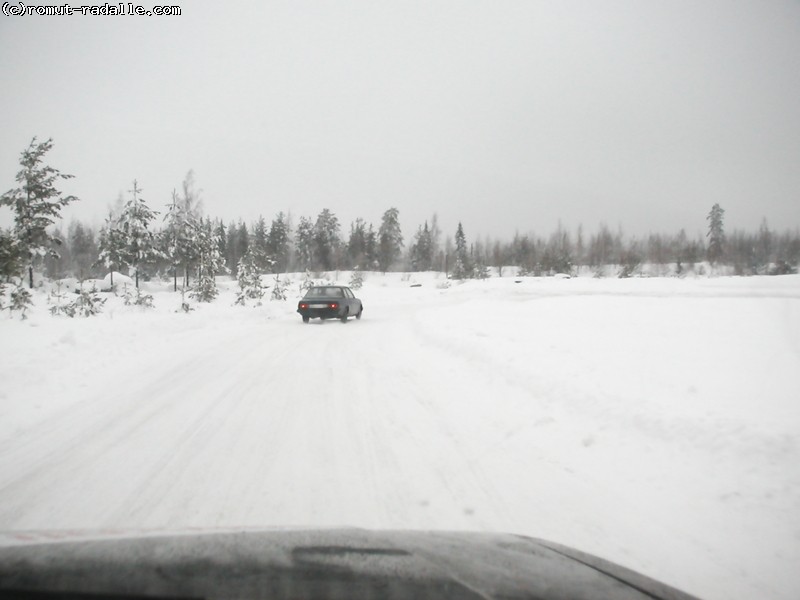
(71, 449)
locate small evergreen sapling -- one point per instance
(205, 290)
(279, 288)
(481, 271)
(356, 279)
(19, 299)
(57, 296)
(185, 307)
(137, 298)
(249, 280)
(308, 282)
(88, 303)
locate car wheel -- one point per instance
(360, 310)
(305, 319)
(345, 315)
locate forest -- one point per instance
(186, 245)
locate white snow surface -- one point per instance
(653, 422)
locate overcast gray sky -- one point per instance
(506, 115)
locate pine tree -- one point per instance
(259, 247)
(390, 239)
(232, 257)
(242, 244)
(140, 243)
(113, 246)
(176, 242)
(462, 267)
(12, 259)
(278, 243)
(371, 247)
(209, 260)
(580, 250)
(357, 244)
(764, 248)
(716, 234)
(223, 242)
(36, 203)
(558, 252)
(56, 262)
(179, 238)
(304, 243)
(437, 254)
(421, 251)
(326, 240)
(83, 249)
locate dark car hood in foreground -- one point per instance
(349, 564)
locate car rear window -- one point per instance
(325, 292)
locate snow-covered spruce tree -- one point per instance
(371, 247)
(134, 223)
(278, 243)
(421, 251)
(175, 239)
(249, 280)
(259, 246)
(390, 239)
(87, 304)
(357, 243)
(326, 241)
(113, 246)
(36, 204)
(481, 271)
(209, 260)
(222, 236)
(178, 242)
(307, 282)
(356, 279)
(238, 244)
(716, 234)
(12, 260)
(304, 243)
(462, 268)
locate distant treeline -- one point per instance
(184, 243)
(279, 246)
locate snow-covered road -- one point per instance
(654, 423)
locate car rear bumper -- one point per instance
(320, 313)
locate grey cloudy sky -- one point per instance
(506, 115)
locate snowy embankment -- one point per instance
(653, 422)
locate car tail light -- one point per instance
(303, 305)
(333, 305)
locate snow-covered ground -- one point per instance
(653, 422)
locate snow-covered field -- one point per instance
(653, 422)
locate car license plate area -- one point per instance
(317, 306)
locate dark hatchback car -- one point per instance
(329, 302)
